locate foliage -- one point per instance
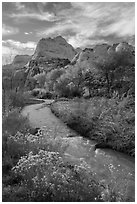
(117, 70)
(43, 174)
(13, 122)
(70, 84)
(42, 93)
(108, 121)
(40, 79)
(31, 83)
(48, 178)
(18, 99)
(52, 77)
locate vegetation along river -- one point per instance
(111, 167)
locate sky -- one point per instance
(82, 24)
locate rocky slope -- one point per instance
(103, 52)
(56, 53)
(50, 53)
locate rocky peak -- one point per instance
(57, 47)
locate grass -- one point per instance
(34, 169)
(33, 172)
(110, 122)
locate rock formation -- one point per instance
(21, 60)
(101, 52)
(48, 48)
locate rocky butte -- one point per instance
(53, 53)
(57, 47)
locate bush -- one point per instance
(13, 122)
(43, 174)
(35, 92)
(108, 121)
(18, 99)
(47, 95)
(42, 94)
(48, 178)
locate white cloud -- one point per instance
(8, 30)
(8, 54)
(27, 33)
(121, 28)
(19, 45)
(44, 16)
(87, 21)
(10, 48)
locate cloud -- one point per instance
(8, 54)
(87, 20)
(80, 23)
(21, 11)
(27, 33)
(42, 17)
(8, 30)
(10, 48)
(128, 28)
(19, 45)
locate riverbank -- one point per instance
(34, 168)
(111, 173)
(114, 170)
(110, 122)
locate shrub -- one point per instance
(35, 92)
(13, 122)
(46, 95)
(108, 121)
(48, 178)
(42, 94)
(18, 99)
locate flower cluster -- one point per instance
(24, 138)
(46, 173)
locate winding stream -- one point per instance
(111, 167)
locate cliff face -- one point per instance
(103, 52)
(58, 47)
(57, 53)
(21, 60)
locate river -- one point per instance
(111, 167)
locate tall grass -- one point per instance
(110, 122)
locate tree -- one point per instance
(52, 78)
(70, 83)
(6, 86)
(93, 82)
(40, 79)
(115, 67)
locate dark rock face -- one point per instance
(21, 60)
